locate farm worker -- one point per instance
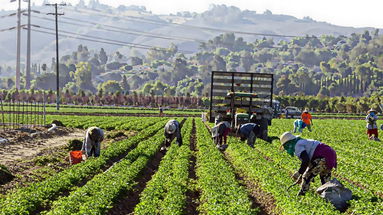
(161, 111)
(307, 118)
(218, 119)
(299, 125)
(92, 142)
(172, 130)
(316, 158)
(372, 128)
(220, 132)
(249, 131)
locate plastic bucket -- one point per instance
(75, 157)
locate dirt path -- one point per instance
(29, 147)
(192, 196)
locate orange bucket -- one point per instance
(75, 157)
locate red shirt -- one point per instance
(306, 118)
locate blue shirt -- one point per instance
(245, 129)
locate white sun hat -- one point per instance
(171, 128)
(286, 137)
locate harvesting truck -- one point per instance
(241, 97)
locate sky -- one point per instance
(352, 13)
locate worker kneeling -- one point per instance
(219, 134)
(172, 130)
(299, 125)
(249, 131)
(92, 142)
(316, 158)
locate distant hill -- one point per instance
(179, 29)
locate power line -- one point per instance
(111, 40)
(162, 36)
(123, 30)
(140, 19)
(103, 41)
(8, 29)
(9, 15)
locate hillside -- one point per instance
(92, 19)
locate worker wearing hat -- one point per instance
(372, 128)
(307, 119)
(172, 130)
(92, 142)
(316, 158)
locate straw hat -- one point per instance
(286, 137)
(371, 110)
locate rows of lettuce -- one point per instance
(99, 194)
(39, 195)
(165, 193)
(106, 122)
(270, 169)
(98, 109)
(218, 188)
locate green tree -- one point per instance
(111, 87)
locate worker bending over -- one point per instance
(219, 133)
(372, 128)
(249, 131)
(299, 125)
(172, 130)
(92, 142)
(316, 158)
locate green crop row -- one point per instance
(105, 122)
(357, 159)
(98, 195)
(101, 109)
(29, 199)
(165, 193)
(274, 179)
(220, 191)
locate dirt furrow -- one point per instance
(260, 199)
(192, 195)
(128, 202)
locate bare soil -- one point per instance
(24, 145)
(260, 199)
(34, 158)
(127, 204)
(192, 195)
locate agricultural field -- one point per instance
(132, 175)
(89, 110)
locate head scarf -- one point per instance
(290, 146)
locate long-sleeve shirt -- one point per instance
(371, 121)
(90, 143)
(308, 150)
(247, 128)
(176, 134)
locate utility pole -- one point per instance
(18, 45)
(28, 66)
(57, 52)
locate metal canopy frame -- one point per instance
(257, 85)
